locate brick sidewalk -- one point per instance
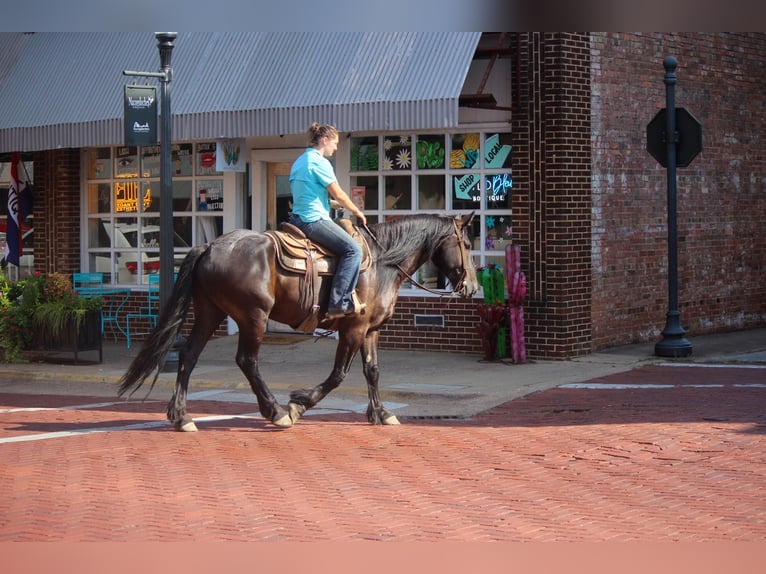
(684, 461)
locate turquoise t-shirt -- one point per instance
(309, 177)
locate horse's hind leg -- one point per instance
(250, 337)
(204, 327)
(376, 413)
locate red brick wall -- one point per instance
(721, 195)
(459, 334)
(56, 211)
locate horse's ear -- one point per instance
(466, 219)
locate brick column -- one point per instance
(57, 211)
(552, 191)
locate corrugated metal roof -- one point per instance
(66, 89)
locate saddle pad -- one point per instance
(292, 253)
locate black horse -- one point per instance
(238, 275)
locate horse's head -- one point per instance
(453, 258)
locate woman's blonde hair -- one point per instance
(317, 132)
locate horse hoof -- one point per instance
(392, 420)
(187, 426)
(285, 421)
(296, 411)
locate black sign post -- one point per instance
(165, 43)
(673, 344)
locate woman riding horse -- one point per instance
(238, 275)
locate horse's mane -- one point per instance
(399, 238)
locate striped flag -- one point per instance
(19, 207)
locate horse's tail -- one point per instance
(154, 351)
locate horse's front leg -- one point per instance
(247, 359)
(304, 399)
(377, 414)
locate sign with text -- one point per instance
(140, 119)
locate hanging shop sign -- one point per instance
(230, 155)
(140, 119)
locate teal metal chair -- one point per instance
(87, 283)
(149, 312)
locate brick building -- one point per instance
(587, 203)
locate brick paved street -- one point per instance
(655, 454)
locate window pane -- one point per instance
(465, 151)
(497, 151)
(205, 159)
(366, 188)
(498, 232)
(466, 191)
(398, 153)
(102, 263)
(431, 192)
(124, 237)
(428, 275)
(126, 196)
(150, 161)
(98, 234)
(150, 194)
(182, 196)
(208, 228)
(181, 157)
(364, 154)
(430, 152)
(100, 163)
(210, 195)
(182, 226)
(497, 190)
(398, 192)
(99, 197)
(126, 162)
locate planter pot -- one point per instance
(72, 338)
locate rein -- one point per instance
(415, 282)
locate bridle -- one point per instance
(463, 257)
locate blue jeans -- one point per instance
(332, 236)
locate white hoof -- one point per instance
(187, 427)
(284, 421)
(392, 420)
(295, 412)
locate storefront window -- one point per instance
(430, 151)
(465, 151)
(364, 154)
(398, 153)
(364, 191)
(123, 224)
(441, 172)
(99, 163)
(398, 192)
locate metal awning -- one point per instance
(66, 89)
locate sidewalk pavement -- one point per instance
(414, 384)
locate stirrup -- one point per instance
(359, 308)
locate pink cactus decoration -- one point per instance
(517, 291)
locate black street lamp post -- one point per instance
(165, 44)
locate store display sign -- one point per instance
(230, 155)
(140, 119)
(358, 193)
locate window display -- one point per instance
(439, 173)
(123, 231)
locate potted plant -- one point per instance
(42, 312)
